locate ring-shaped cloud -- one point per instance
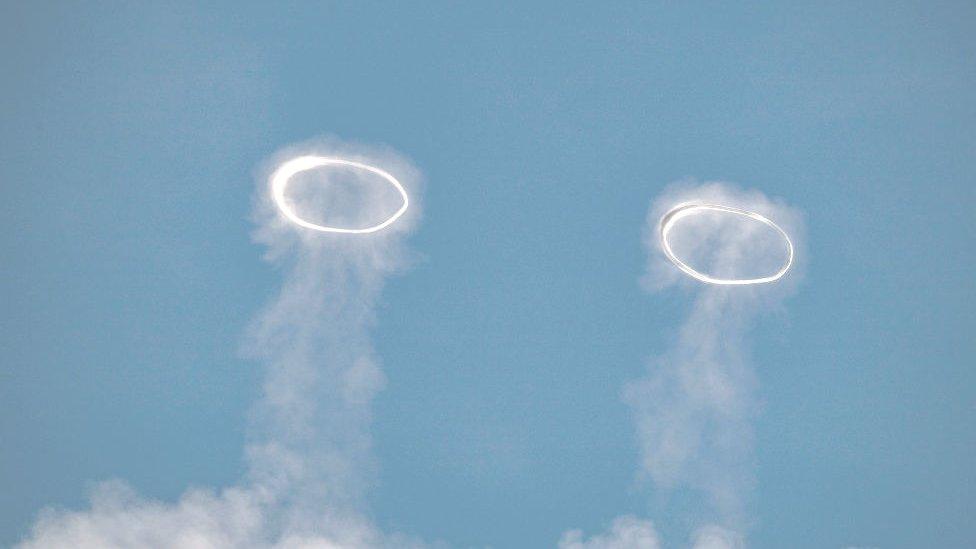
(287, 170)
(684, 210)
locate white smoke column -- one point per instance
(694, 409)
(308, 454)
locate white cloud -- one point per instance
(626, 532)
(716, 537)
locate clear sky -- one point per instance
(130, 137)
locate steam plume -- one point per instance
(694, 409)
(308, 453)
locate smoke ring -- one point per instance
(685, 210)
(290, 168)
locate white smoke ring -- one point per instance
(684, 210)
(287, 170)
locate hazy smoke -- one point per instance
(694, 409)
(308, 452)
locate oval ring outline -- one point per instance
(683, 210)
(290, 168)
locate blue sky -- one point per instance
(129, 144)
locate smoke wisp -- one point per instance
(694, 409)
(308, 455)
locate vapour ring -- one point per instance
(684, 210)
(284, 173)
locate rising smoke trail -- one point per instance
(694, 409)
(308, 451)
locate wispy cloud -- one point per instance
(694, 409)
(308, 452)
